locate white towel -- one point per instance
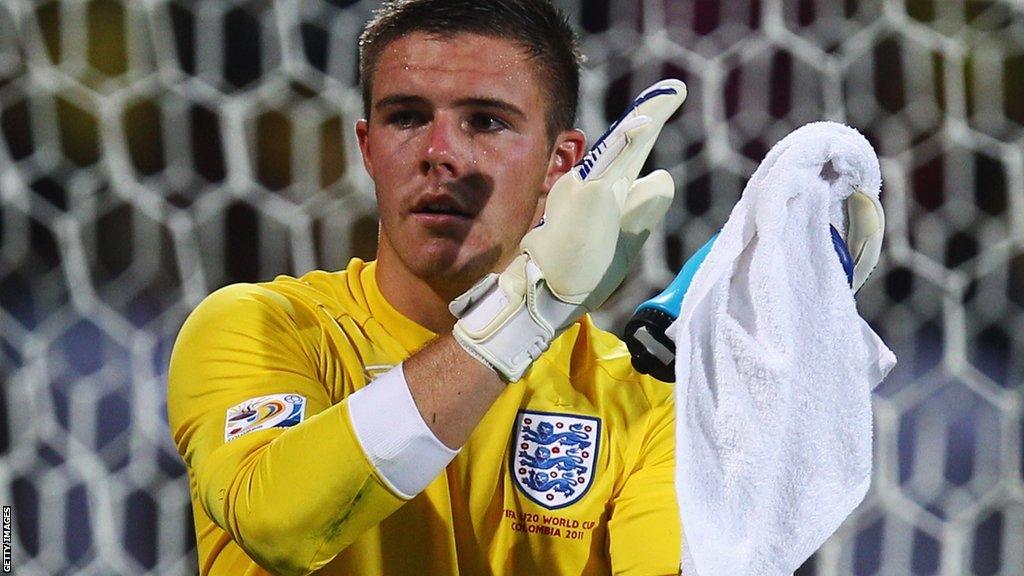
(775, 367)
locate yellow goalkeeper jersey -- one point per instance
(569, 472)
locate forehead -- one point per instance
(453, 67)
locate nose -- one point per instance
(443, 154)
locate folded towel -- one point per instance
(774, 367)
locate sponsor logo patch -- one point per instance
(273, 411)
(552, 457)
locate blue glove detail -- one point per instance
(652, 351)
(844, 254)
(590, 160)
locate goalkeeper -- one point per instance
(449, 408)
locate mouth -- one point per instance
(442, 208)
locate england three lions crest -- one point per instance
(552, 456)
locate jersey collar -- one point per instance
(408, 333)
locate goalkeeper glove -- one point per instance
(864, 237)
(596, 219)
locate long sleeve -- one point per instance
(292, 498)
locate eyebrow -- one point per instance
(393, 100)
(399, 100)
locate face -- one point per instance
(458, 149)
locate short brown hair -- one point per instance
(537, 25)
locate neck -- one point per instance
(421, 300)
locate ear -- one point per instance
(362, 134)
(569, 148)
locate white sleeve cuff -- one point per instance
(394, 436)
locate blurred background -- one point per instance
(153, 151)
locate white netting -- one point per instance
(152, 151)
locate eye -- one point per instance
(487, 123)
(405, 119)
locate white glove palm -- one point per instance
(864, 238)
(597, 217)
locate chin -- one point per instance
(456, 267)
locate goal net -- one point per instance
(152, 151)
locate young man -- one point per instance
(449, 408)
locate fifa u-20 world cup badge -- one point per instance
(552, 456)
(273, 411)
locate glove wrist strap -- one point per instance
(507, 333)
